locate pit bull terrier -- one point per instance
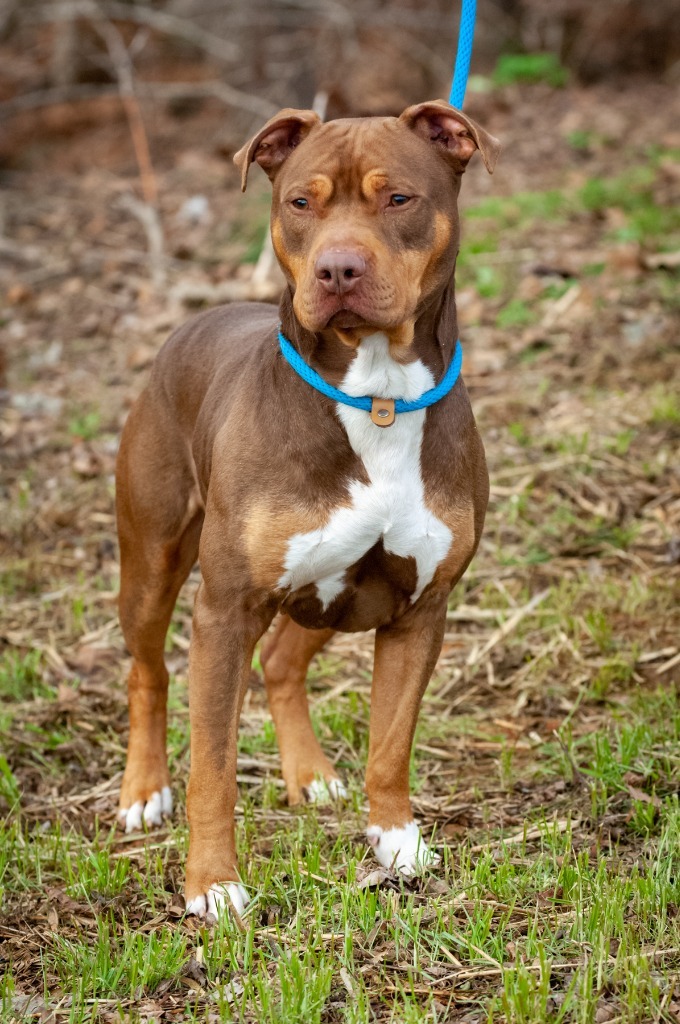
(300, 504)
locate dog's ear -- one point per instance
(454, 133)
(275, 142)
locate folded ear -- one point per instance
(275, 142)
(455, 134)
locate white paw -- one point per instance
(402, 849)
(322, 791)
(215, 900)
(157, 807)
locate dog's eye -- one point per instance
(399, 200)
(300, 203)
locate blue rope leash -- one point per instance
(304, 370)
(462, 66)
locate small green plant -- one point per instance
(95, 871)
(613, 673)
(7, 990)
(556, 289)
(519, 432)
(634, 194)
(580, 140)
(665, 408)
(78, 613)
(9, 787)
(119, 964)
(251, 225)
(21, 676)
(593, 269)
(488, 282)
(517, 313)
(620, 444)
(530, 69)
(600, 629)
(85, 424)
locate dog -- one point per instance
(299, 504)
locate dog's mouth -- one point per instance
(346, 320)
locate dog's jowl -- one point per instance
(296, 498)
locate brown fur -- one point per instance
(228, 453)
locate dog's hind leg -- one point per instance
(159, 526)
(286, 655)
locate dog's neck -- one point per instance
(434, 338)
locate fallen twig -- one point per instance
(148, 217)
(508, 626)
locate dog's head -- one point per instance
(364, 212)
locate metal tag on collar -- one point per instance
(382, 411)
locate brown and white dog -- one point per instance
(294, 503)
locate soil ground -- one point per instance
(546, 762)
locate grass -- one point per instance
(546, 763)
(20, 676)
(529, 68)
(633, 202)
(567, 909)
(552, 921)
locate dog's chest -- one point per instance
(391, 507)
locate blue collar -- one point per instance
(304, 370)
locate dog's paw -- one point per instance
(215, 900)
(402, 849)
(146, 812)
(324, 791)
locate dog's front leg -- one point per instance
(405, 655)
(223, 639)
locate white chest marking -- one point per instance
(391, 506)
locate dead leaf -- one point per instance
(377, 877)
(140, 357)
(194, 976)
(17, 294)
(67, 696)
(645, 798)
(605, 1012)
(85, 461)
(347, 982)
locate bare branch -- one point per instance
(160, 90)
(52, 97)
(148, 217)
(122, 63)
(218, 90)
(161, 21)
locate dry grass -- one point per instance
(546, 761)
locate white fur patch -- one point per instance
(157, 807)
(321, 791)
(402, 849)
(392, 506)
(215, 900)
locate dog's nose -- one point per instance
(338, 270)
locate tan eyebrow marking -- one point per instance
(321, 187)
(373, 181)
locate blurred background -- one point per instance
(121, 214)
